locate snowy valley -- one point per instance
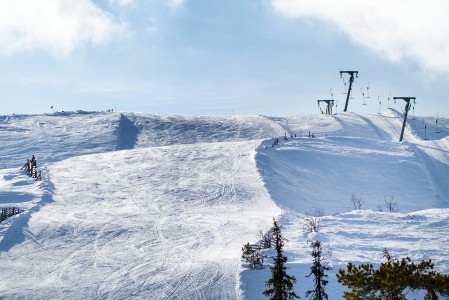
(148, 206)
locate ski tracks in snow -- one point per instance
(156, 223)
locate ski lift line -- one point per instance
(436, 124)
(367, 90)
(380, 104)
(363, 95)
(344, 83)
(425, 129)
(389, 97)
(351, 80)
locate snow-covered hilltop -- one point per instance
(147, 206)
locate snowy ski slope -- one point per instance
(149, 206)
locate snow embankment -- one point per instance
(305, 174)
(361, 159)
(156, 223)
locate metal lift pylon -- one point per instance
(407, 108)
(351, 80)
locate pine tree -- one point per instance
(280, 285)
(318, 270)
(392, 279)
(250, 256)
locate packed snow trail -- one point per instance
(157, 223)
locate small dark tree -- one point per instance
(266, 239)
(318, 270)
(8, 212)
(252, 256)
(248, 254)
(392, 279)
(280, 285)
(357, 202)
(312, 221)
(390, 204)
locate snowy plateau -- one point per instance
(149, 206)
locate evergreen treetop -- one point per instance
(318, 270)
(280, 285)
(393, 279)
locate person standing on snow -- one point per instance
(33, 161)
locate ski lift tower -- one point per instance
(407, 108)
(351, 80)
(329, 105)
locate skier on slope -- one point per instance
(33, 161)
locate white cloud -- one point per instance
(398, 29)
(175, 3)
(121, 2)
(57, 26)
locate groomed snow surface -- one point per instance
(147, 206)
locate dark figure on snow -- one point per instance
(26, 166)
(33, 161)
(34, 172)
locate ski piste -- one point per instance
(157, 206)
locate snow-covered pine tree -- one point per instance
(318, 270)
(249, 255)
(280, 285)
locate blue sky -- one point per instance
(221, 57)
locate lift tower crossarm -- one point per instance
(407, 108)
(330, 104)
(351, 80)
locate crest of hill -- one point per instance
(54, 137)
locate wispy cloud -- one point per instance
(176, 3)
(121, 2)
(56, 26)
(400, 29)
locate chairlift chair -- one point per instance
(367, 91)
(380, 104)
(363, 95)
(344, 83)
